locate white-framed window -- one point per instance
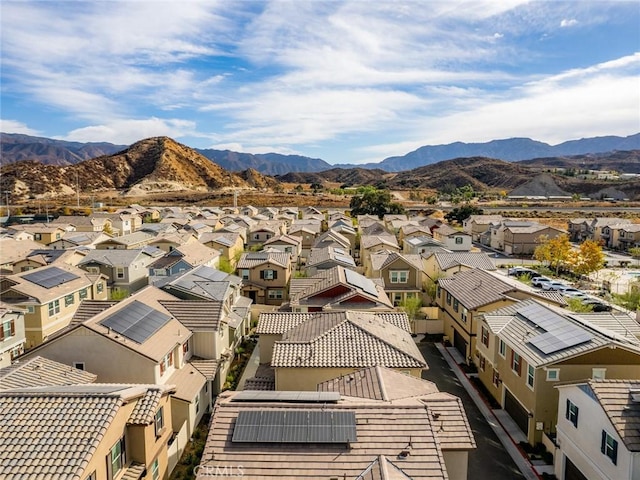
(116, 459)
(553, 374)
(8, 330)
(495, 379)
(159, 421)
(485, 336)
(54, 308)
(459, 240)
(571, 413)
(268, 274)
(100, 287)
(456, 305)
(68, 300)
(31, 309)
(397, 299)
(92, 476)
(120, 272)
(531, 375)
(609, 446)
(244, 273)
(399, 276)
(598, 373)
(502, 349)
(78, 365)
(465, 314)
(83, 294)
(482, 362)
(93, 270)
(275, 294)
(516, 363)
(155, 469)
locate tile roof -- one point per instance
(358, 339)
(207, 367)
(383, 260)
(39, 371)
(145, 410)
(382, 430)
(90, 308)
(368, 241)
(330, 254)
(253, 259)
(53, 432)
(277, 323)
(188, 381)
(468, 259)
(476, 288)
(624, 413)
(196, 315)
(288, 239)
(14, 250)
(112, 258)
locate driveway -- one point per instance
(490, 460)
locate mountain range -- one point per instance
(16, 147)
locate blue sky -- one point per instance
(345, 81)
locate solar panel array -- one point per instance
(345, 259)
(50, 277)
(295, 426)
(559, 333)
(285, 396)
(359, 281)
(136, 321)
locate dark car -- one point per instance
(520, 271)
(597, 305)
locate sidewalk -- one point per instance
(497, 425)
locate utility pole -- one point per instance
(77, 189)
(6, 203)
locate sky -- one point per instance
(345, 81)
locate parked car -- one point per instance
(519, 271)
(553, 285)
(540, 281)
(597, 304)
(573, 293)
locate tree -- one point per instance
(430, 286)
(411, 306)
(631, 299)
(374, 202)
(635, 253)
(298, 188)
(107, 228)
(576, 305)
(460, 214)
(316, 187)
(589, 258)
(224, 265)
(556, 252)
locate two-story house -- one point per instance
(79, 239)
(452, 239)
(476, 225)
(184, 258)
(401, 274)
(625, 237)
(370, 244)
(287, 244)
(597, 434)
(50, 296)
(328, 257)
(130, 241)
(265, 276)
(42, 233)
(601, 231)
(12, 334)
(525, 349)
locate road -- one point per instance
(490, 460)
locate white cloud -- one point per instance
(568, 23)
(13, 126)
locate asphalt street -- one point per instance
(490, 460)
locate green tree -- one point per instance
(635, 253)
(224, 265)
(460, 214)
(576, 305)
(556, 252)
(298, 188)
(411, 306)
(631, 299)
(374, 202)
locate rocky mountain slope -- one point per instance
(16, 147)
(267, 163)
(156, 164)
(622, 162)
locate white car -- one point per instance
(553, 285)
(540, 281)
(573, 293)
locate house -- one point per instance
(129, 241)
(348, 232)
(50, 296)
(39, 372)
(526, 348)
(208, 284)
(331, 238)
(315, 347)
(86, 431)
(385, 385)
(82, 223)
(580, 229)
(370, 244)
(184, 258)
(12, 334)
(402, 275)
(265, 276)
(287, 244)
(263, 231)
(329, 257)
(411, 230)
(14, 251)
(452, 239)
(42, 233)
(43, 256)
(600, 228)
(170, 241)
(307, 237)
(126, 270)
(625, 237)
(339, 288)
(445, 264)
(476, 225)
(465, 296)
(597, 430)
(79, 239)
(372, 439)
(122, 223)
(422, 245)
(230, 245)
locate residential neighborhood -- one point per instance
(296, 342)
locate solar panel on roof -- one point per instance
(50, 277)
(295, 426)
(361, 282)
(559, 333)
(136, 321)
(285, 396)
(344, 259)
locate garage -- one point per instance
(460, 343)
(519, 414)
(571, 472)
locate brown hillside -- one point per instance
(152, 165)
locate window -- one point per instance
(502, 350)
(93, 270)
(571, 413)
(438, 291)
(531, 372)
(100, 287)
(120, 272)
(609, 446)
(397, 299)
(399, 276)
(485, 337)
(483, 363)
(459, 240)
(268, 274)
(54, 308)
(155, 469)
(244, 273)
(57, 236)
(31, 309)
(197, 402)
(275, 294)
(68, 300)
(160, 272)
(159, 421)
(78, 365)
(92, 476)
(8, 330)
(465, 312)
(516, 363)
(495, 379)
(449, 297)
(256, 236)
(37, 236)
(116, 459)
(456, 305)
(553, 375)
(598, 373)
(185, 347)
